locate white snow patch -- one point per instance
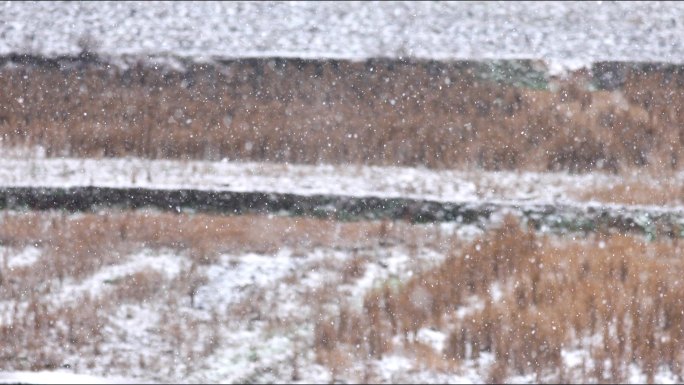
(495, 292)
(59, 377)
(567, 34)
(167, 263)
(236, 274)
(20, 258)
(574, 358)
(390, 365)
(433, 338)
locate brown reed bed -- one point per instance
(635, 191)
(380, 112)
(618, 298)
(77, 245)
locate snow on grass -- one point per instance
(230, 176)
(358, 181)
(234, 276)
(249, 356)
(20, 258)
(391, 366)
(253, 350)
(264, 307)
(566, 34)
(259, 349)
(59, 377)
(167, 263)
(271, 340)
(433, 338)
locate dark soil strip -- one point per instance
(559, 217)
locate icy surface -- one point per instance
(563, 33)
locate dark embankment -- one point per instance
(563, 217)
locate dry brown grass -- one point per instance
(635, 192)
(91, 235)
(140, 286)
(38, 335)
(76, 246)
(620, 290)
(41, 328)
(434, 114)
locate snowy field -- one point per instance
(356, 180)
(567, 34)
(254, 314)
(251, 320)
(58, 377)
(146, 296)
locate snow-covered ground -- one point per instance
(354, 180)
(265, 307)
(568, 34)
(58, 377)
(255, 346)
